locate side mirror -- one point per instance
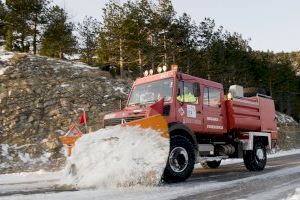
(196, 89)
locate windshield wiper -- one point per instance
(151, 101)
(135, 104)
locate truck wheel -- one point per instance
(256, 159)
(181, 160)
(211, 164)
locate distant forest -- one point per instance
(138, 35)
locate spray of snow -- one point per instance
(118, 157)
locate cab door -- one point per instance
(188, 105)
(212, 110)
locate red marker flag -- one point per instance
(83, 118)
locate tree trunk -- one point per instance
(188, 65)
(152, 56)
(165, 48)
(22, 42)
(61, 54)
(140, 61)
(121, 59)
(35, 34)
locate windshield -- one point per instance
(151, 92)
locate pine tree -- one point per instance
(137, 33)
(37, 18)
(58, 38)
(89, 31)
(2, 19)
(17, 17)
(114, 34)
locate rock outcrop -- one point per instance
(40, 97)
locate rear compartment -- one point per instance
(252, 114)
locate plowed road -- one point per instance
(273, 183)
(233, 181)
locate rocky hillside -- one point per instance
(40, 97)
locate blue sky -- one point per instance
(271, 24)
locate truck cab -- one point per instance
(187, 100)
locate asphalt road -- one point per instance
(268, 184)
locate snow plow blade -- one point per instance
(155, 122)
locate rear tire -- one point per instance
(181, 160)
(211, 164)
(256, 159)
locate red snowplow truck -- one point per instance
(203, 124)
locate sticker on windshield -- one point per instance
(191, 111)
(181, 111)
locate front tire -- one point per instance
(181, 160)
(256, 159)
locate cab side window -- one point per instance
(211, 97)
(186, 93)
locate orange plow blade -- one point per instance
(155, 122)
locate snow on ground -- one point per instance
(2, 70)
(284, 119)
(121, 89)
(42, 179)
(5, 55)
(295, 196)
(14, 156)
(159, 193)
(40, 175)
(118, 156)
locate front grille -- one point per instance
(117, 121)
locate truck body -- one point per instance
(204, 125)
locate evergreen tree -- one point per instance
(89, 31)
(2, 19)
(17, 16)
(37, 17)
(58, 38)
(114, 34)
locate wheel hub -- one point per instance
(260, 154)
(178, 159)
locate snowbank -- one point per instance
(5, 55)
(118, 157)
(284, 119)
(17, 157)
(295, 196)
